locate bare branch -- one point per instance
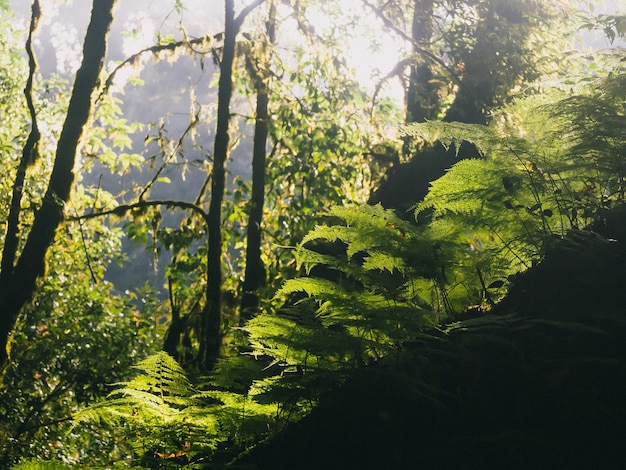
(246, 11)
(416, 46)
(397, 71)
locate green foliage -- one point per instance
(471, 57)
(362, 299)
(164, 421)
(63, 348)
(551, 164)
(613, 25)
(63, 340)
(317, 160)
(38, 465)
(155, 413)
(593, 122)
(488, 210)
(108, 140)
(35, 464)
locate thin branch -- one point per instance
(424, 52)
(87, 255)
(179, 143)
(397, 71)
(155, 50)
(30, 153)
(32, 66)
(125, 208)
(46, 424)
(246, 11)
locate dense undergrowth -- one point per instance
(374, 356)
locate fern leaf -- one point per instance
(380, 261)
(453, 133)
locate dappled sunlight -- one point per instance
(275, 234)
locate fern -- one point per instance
(382, 270)
(158, 412)
(243, 415)
(452, 134)
(160, 391)
(163, 418)
(551, 164)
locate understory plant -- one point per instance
(161, 420)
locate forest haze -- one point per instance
(338, 278)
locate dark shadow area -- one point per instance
(405, 183)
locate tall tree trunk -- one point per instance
(254, 276)
(18, 286)
(475, 96)
(422, 101)
(211, 337)
(212, 314)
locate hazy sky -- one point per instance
(64, 23)
(134, 27)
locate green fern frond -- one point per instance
(381, 261)
(470, 186)
(244, 404)
(265, 386)
(309, 286)
(453, 133)
(159, 410)
(303, 340)
(327, 233)
(159, 390)
(309, 259)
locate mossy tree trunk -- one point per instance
(254, 276)
(211, 336)
(422, 101)
(18, 279)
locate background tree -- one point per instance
(19, 274)
(255, 274)
(62, 340)
(467, 58)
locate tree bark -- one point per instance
(211, 336)
(212, 314)
(18, 286)
(477, 90)
(254, 276)
(30, 155)
(422, 102)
